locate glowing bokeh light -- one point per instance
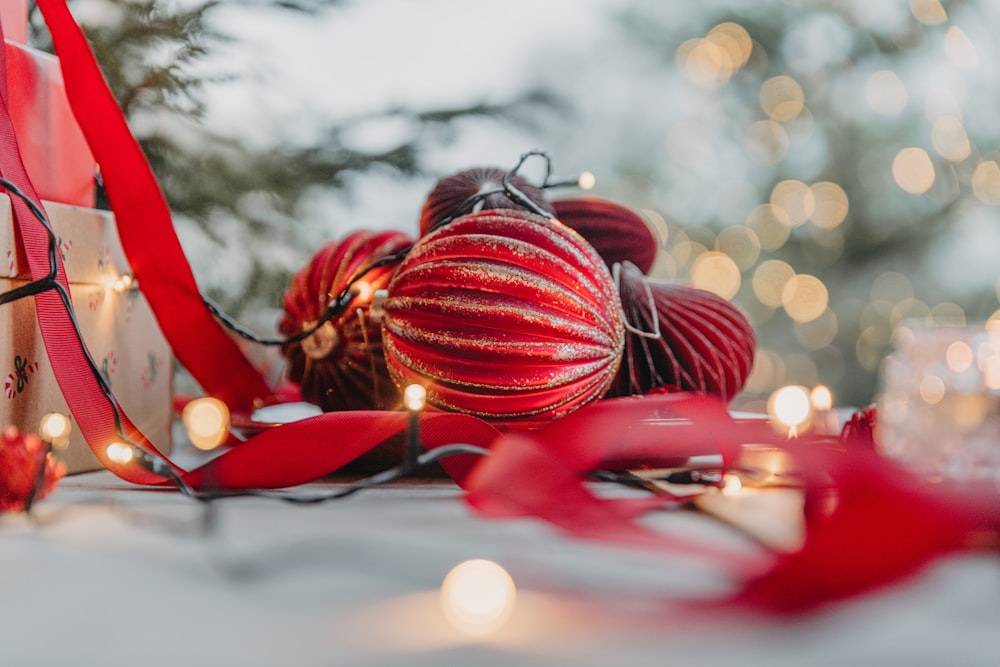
(950, 139)
(831, 204)
(731, 483)
(782, 98)
(54, 426)
(796, 199)
(771, 225)
(415, 397)
(206, 421)
(913, 170)
(716, 272)
(703, 63)
(821, 397)
(119, 452)
(928, 12)
(734, 40)
(986, 182)
(769, 280)
(790, 406)
(804, 297)
(478, 597)
(959, 48)
(931, 389)
(959, 356)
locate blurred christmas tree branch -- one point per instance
(149, 50)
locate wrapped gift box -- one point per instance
(53, 147)
(117, 324)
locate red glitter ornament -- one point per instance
(704, 343)
(21, 454)
(452, 191)
(617, 233)
(505, 315)
(341, 366)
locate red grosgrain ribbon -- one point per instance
(145, 225)
(94, 413)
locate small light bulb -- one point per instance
(206, 421)
(414, 397)
(122, 283)
(790, 406)
(731, 484)
(119, 452)
(55, 428)
(477, 597)
(365, 291)
(586, 181)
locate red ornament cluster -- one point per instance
(21, 454)
(509, 307)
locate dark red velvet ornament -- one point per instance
(452, 191)
(705, 343)
(505, 315)
(617, 233)
(341, 366)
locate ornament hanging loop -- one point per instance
(616, 271)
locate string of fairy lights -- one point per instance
(206, 420)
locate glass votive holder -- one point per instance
(939, 401)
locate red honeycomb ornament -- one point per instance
(704, 343)
(617, 233)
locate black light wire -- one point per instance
(342, 300)
(157, 463)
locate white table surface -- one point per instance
(109, 574)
